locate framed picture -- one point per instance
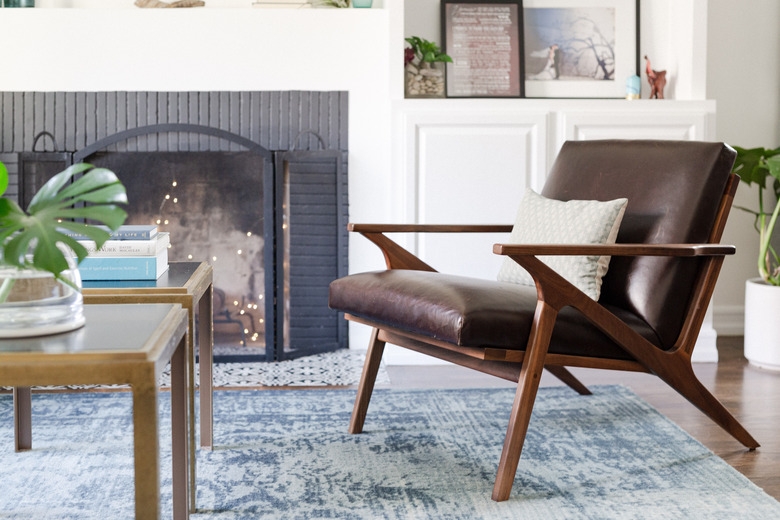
(580, 48)
(485, 41)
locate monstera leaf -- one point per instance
(39, 229)
(761, 166)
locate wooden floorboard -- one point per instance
(751, 394)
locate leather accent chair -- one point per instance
(653, 298)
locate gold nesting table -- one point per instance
(119, 344)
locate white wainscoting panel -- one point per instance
(646, 124)
(469, 166)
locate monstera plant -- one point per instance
(33, 239)
(761, 166)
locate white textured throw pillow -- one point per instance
(546, 221)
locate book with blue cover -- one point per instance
(124, 267)
(127, 232)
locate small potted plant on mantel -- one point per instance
(40, 287)
(424, 68)
(762, 295)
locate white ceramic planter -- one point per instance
(762, 324)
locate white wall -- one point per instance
(744, 77)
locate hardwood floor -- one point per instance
(751, 394)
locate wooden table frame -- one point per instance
(195, 293)
(139, 367)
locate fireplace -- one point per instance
(271, 221)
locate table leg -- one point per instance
(190, 398)
(22, 418)
(146, 449)
(206, 350)
(183, 452)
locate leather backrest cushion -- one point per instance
(673, 189)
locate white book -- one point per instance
(151, 247)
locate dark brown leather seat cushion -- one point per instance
(470, 312)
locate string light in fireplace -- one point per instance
(166, 198)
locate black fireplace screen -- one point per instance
(272, 225)
(212, 205)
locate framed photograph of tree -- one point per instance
(484, 38)
(580, 48)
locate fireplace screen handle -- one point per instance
(44, 134)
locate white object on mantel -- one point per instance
(762, 328)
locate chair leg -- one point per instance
(567, 377)
(689, 386)
(527, 385)
(370, 368)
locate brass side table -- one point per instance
(119, 344)
(189, 284)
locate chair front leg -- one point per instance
(370, 368)
(527, 386)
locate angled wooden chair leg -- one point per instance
(567, 377)
(370, 368)
(689, 386)
(527, 385)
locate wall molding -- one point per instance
(729, 320)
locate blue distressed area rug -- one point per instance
(428, 454)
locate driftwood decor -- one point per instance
(178, 3)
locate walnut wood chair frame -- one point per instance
(553, 293)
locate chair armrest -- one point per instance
(396, 257)
(429, 228)
(680, 250)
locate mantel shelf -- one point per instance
(210, 4)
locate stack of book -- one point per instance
(134, 252)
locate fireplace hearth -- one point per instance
(252, 182)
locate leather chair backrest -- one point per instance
(673, 189)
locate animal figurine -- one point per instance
(657, 81)
(177, 3)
